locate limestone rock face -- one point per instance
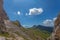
(3, 16)
(56, 32)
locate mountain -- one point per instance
(56, 31)
(13, 30)
(3, 16)
(49, 29)
(17, 23)
(9, 30)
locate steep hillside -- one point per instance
(3, 16)
(33, 33)
(49, 29)
(36, 34)
(16, 32)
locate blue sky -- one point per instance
(32, 12)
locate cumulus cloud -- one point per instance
(54, 18)
(35, 11)
(18, 12)
(49, 22)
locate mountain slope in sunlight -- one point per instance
(30, 33)
(49, 28)
(14, 31)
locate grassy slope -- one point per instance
(35, 34)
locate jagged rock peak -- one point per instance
(3, 14)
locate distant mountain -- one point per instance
(49, 29)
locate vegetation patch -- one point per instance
(5, 34)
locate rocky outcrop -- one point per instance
(56, 32)
(3, 16)
(8, 26)
(11, 28)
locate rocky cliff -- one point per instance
(3, 16)
(8, 29)
(56, 32)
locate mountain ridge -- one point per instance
(41, 27)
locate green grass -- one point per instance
(17, 23)
(21, 35)
(5, 34)
(36, 33)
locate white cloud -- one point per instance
(54, 18)
(18, 12)
(49, 22)
(35, 11)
